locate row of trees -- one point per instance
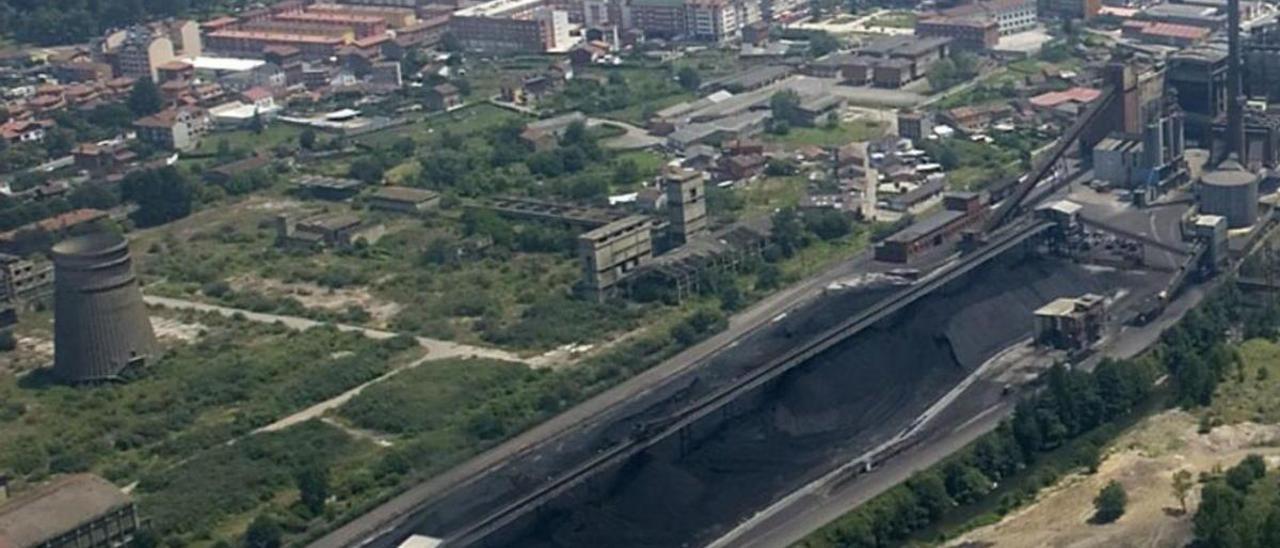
(1071, 405)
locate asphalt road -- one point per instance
(590, 412)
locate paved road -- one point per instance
(436, 349)
(588, 413)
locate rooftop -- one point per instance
(335, 183)
(927, 226)
(56, 508)
(331, 221)
(911, 46)
(1073, 95)
(228, 64)
(405, 194)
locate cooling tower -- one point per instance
(100, 323)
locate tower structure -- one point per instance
(1235, 142)
(100, 322)
(686, 197)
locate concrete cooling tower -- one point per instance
(100, 322)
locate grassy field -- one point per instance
(893, 19)
(843, 134)
(194, 398)
(249, 142)
(425, 132)
(1251, 392)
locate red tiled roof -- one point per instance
(1055, 98)
(256, 93)
(1170, 30)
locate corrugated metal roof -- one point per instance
(56, 508)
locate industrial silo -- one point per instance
(1232, 192)
(100, 322)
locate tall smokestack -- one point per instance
(1235, 90)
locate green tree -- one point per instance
(788, 231)
(626, 172)
(313, 488)
(307, 139)
(264, 532)
(162, 195)
(785, 107)
(931, 494)
(689, 78)
(1215, 520)
(822, 43)
(1242, 475)
(1110, 503)
(257, 125)
(1182, 484)
(366, 169)
(145, 99)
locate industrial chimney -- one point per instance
(1235, 141)
(100, 324)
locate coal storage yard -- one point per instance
(846, 401)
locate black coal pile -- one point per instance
(848, 400)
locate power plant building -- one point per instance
(100, 322)
(1231, 192)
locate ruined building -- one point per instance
(100, 322)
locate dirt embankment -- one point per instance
(1144, 461)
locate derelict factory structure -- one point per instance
(100, 322)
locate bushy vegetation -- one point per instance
(236, 378)
(1240, 508)
(190, 500)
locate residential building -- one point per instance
(177, 128)
(512, 25)
(103, 157)
(1011, 16)
(712, 20)
(1069, 9)
(914, 125)
(25, 131)
(79, 510)
(254, 43)
(657, 18)
(443, 97)
(140, 50)
(975, 34)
